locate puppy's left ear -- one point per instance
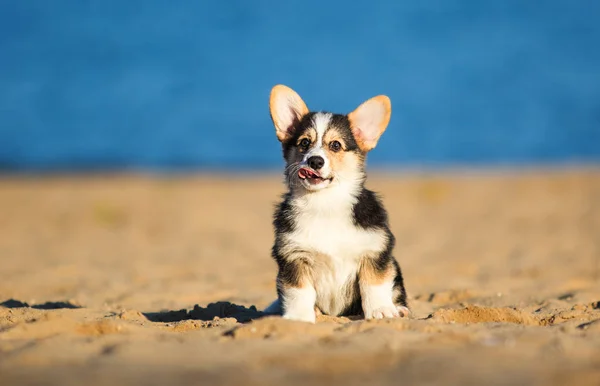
(370, 120)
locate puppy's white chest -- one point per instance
(335, 236)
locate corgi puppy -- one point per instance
(333, 245)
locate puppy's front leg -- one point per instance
(376, 282)
(296, 291)
(299, 303)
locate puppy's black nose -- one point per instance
(316, 162)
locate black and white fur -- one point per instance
(333, 245)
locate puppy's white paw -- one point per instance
(378, 302)
(302, 316)
(403, 311)
(383, 312)
(299, 304)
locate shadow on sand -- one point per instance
(12, 303)
(219, 309)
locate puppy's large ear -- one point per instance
(287, 108)
(370, 120)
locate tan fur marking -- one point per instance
(295, 154)
(368, 274)
(333, 135)
(310, 134)
(342, 163)
(336, 158)
(302, 276)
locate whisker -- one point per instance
(291, 171)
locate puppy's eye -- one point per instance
(304, 143)
(335, 146)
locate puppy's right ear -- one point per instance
(287, 109)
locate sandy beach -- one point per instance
(114, 279)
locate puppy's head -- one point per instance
(323, 149)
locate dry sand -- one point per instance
(110, 280)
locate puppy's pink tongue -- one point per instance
(307, 173)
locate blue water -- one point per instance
(167, 85)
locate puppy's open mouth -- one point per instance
(311, 176)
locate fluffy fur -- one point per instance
(333, 245)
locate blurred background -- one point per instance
(157, 85)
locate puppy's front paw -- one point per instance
(391, 311)
(382, 312)
(299, 304)
(403, 311)
(305, 316)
